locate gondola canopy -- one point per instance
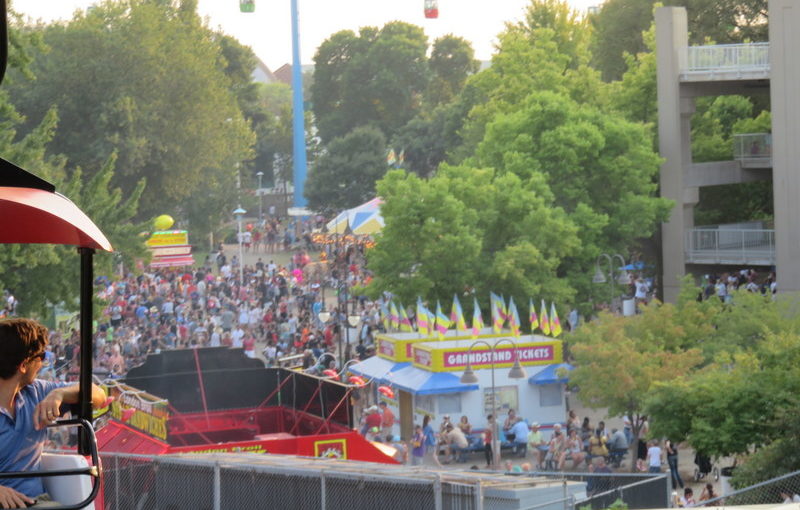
(247, 5)
(431, 9)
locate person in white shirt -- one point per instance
(654, 457)
(237, 335)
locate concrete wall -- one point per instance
(784, 36)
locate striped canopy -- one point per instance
(365, 219)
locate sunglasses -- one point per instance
(42, 355)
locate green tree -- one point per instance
(578, 150)
(146, 80)
(345, 175)
(619, 360)
(617, 31)
(376, 78)
(452, 61)
(468, 229)
(546, 52)
(619, 25)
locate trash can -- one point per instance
(628, 307)
(725, 475)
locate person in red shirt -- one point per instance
(373, 420)
(387, 419)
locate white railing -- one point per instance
(727, 57)
(730, 246)
(753, 150)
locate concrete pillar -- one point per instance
(784, 36)
(674, 143)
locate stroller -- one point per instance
(704, 467)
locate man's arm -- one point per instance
(48, 409)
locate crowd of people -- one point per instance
(272, 313)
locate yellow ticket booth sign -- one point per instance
(168, 238)
(451, 356)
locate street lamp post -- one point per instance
(239, 213)
(260, 174)
(516, 372)
(623, 277)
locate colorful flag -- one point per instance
(442, 322)
(555, 324)
(391, 159)
(533, 318)
(545, 323)
(477, 318)
(405, 322)
(513, 317)
(394, 315)
(457, 315)
(498, 312)
(423, 319)
(385, 315)
(401, 158)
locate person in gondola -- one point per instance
(27, 406)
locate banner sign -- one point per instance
(397, 349)
(139, 410)
(331, 449)
(450, 357)
(168, 238)
(165, 251)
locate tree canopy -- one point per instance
(148, 81)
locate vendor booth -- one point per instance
(425, 374)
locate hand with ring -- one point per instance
(48, 409)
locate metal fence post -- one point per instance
(437, 492)
(479, 496)
(564, 488)
(217, 487)
(116, 481)
(322, 503)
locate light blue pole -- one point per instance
(298, 119)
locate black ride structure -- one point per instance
(33, 212)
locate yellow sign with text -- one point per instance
(168, 238)
(455, 356)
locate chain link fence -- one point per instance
(783, 489)
(245, 482)
(638, 491)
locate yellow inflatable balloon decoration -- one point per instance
(163, 222)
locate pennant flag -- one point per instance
(498, 312)
(442, 322)
(423, 319)
(405, 322)
(394, 316)
(533, 318)
(513, 317)
(503, 308)
(457, 315)
(545, 323)
(477, 318)
(385, 315)
(391, 159)
(401, 158)
(555, 324)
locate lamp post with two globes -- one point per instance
(516, 372)
(623, 277)
(239, 213)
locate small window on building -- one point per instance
(550, 395)
(425, 403)
(450, 403)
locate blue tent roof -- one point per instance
(550, 375)
(422, 382)
(376, 367)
